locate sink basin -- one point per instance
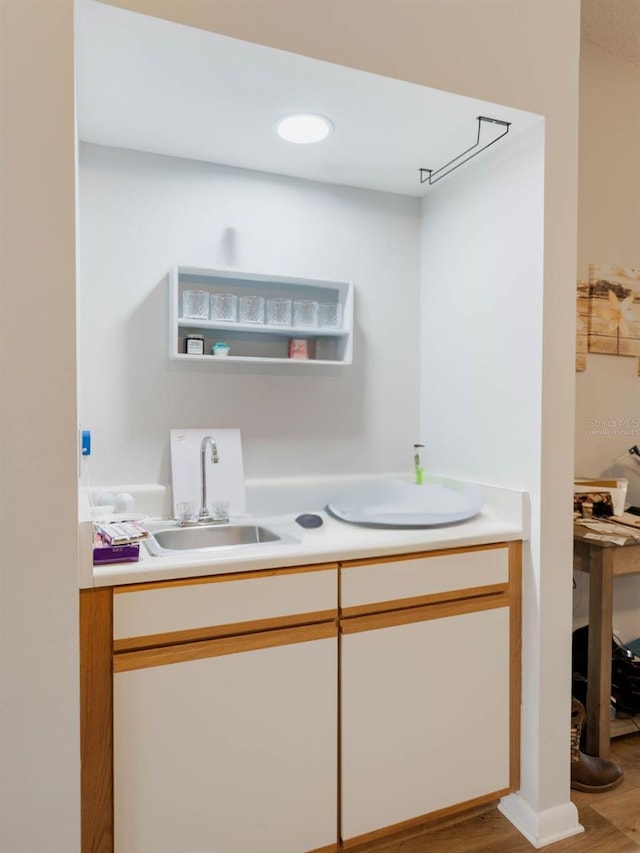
(207, 537)
(398, 502)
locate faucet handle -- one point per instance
(185, 512)
(220, 510)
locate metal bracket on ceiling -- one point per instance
(432, 177)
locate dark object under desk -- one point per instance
(602, 561)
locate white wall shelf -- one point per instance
(260, 342)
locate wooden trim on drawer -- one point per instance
(230, 576)
(515, 665)
(126, 661)
(212, 632)
(426, 820)
(96, 720)
(422, 613)
(420, 600)
(396, 558)
(330, 848)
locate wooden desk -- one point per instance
(602, 561)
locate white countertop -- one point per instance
(275, 504)
(335, 540)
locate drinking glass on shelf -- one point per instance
(279, 312)
(224, 306)
(330, 315)
(305, 312)
(195, 305)
(251, 309)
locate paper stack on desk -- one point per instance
(608, 531)
(628, 519)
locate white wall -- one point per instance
(608, 217)
(139, 215)
(519, 52)
(482, 356)
(481, 317)
(39, 740)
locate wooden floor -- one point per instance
(611, 821)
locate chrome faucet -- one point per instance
(208, 440)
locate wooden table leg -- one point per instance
(600, 632)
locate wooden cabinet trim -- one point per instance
(191, 635)
(423, 613)
(425, 819)
(225, 646)
(515, 664)
(229, 576)
(96, 720)
(420, 600)
(396, 558)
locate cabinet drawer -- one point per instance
(222, 600)
(423, 576)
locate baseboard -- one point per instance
(541, 828)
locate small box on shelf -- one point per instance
(298, 348)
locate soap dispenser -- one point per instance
(417, 465)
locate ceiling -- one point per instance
(152, 85)
(614, 25)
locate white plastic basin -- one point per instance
(399, 502)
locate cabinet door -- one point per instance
(425, 715)
(234, 753)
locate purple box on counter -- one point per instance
(103, 552)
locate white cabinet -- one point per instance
(260, 341)
(425, 715)
(243, 723)
(430, 685)
(225, 721)
(229, 753)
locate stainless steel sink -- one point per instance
(208, 537)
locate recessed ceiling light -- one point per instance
(304, 128)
